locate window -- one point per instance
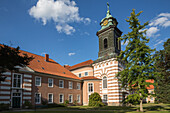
(78, 98)
(78, 86)
(104, 98)
(70, 85)
(61, 98)
(70, 98)
(50, 82)
(104, 82)
(61, 84)
(37, 81)
(86, 73)
(17, 81)
(105, 43)
(79, 74)
(50, 98)
(90, 87)
(37, 98)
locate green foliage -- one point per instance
(132, 99)
(95, 100)
(138, 58)
(10, 58)
(4, 106)
(75, 103)
(163, 79)
(66, 102)
(27, 104)
(44, 102)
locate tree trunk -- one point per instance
(141, 106)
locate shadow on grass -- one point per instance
(156, 108)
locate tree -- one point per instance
(10, 58)
(163, 79)
(138, 59)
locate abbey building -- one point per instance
(44, 80)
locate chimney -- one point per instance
(46, 57)
(67, 66)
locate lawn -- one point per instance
(148, 108)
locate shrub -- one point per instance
(75, 103)
(95, 100)
(44, 102)
(66, 102)
(27, 104)
(4, 106)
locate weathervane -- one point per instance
(107, 6)
(108, 11)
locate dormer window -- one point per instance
(105, 43)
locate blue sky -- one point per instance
(66, 29)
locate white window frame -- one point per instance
(71, 98)
(78, 96)
(49, 82)
(102, 82)
(89, 96)
(39, 98)
(62, 83)
(88, 87)
(106, 99)
(78, 86)
(70, 85)
(62, 98)
(48, 98)
(35, 81)
(20, 80)
(85, 73)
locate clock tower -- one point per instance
(106, 66)
(109, 46)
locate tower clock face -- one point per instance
(105, 22)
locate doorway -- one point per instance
(16, 100)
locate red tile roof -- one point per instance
(150, 86)
(39, 64)
(89, 78)
(82, 64)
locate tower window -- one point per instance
(104, 82)
(105, 43)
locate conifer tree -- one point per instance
(137, 58)
(163, 79)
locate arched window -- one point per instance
(104, 82)
(105, 43)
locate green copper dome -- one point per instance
(109, 18)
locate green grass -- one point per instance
(148, 108)
(87, 112)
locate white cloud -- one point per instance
(126, 43)
(86, 33)
(43, 53)
(165, 14)
(152, 31)
(159, 42)
(67, 29)
(62, 12)
(70, 54)
(162, 20)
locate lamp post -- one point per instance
(35, 102)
